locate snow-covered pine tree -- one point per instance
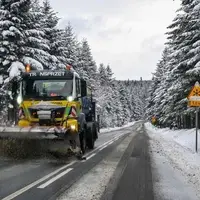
(166, 105)
(113, 104)
(137, 91)
(157, 79)
(133, 103)
(149, 107)
(101, 95)
(60, 50)
(108, 97)
(117, 107)
(181, 66)
(125, 115)
(36, 47)
(21, 39)
(102, 74)
(109, 73)
(160, 87)
(79, 65)
(86, 64)
(71, 47)
(130, 94)
(11, 37)
(182, 38)
(53, 36)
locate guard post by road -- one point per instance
(194, 101)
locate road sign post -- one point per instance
(197, 126)
(194, 101)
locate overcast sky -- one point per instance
(127, 34)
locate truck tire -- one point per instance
(96, 131)
(83, 143)
(90, 136)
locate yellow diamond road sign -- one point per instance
(194, 96)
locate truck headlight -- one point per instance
(73, 127)
(70, 98)
(19, 99)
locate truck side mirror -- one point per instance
(14, 89)
(1, 79)
(83, 88)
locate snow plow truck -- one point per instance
(54, 112)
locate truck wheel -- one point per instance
(96, 131)
(83, 141)
(90, 138)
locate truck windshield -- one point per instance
(51, 89)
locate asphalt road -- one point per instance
(50, 179)
(133, 176)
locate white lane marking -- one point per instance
(110, 142)
(103, 148)
(120, 135)
(92, 155)
(89, 153)
(55, 178)
(28, 187)
(106, 145)
(117, 137)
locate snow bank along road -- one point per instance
(50, 179)
(175, 165)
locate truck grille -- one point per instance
(33, 113)
(57, 113)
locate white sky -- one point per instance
(127, 34)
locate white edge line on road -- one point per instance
(92, 155)
(89, 153)
(103, 148)
(109, 142)
(55, 178)
(19, 192)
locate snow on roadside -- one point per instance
(168, 183)
(184, 137)
(105, 130)
(177, 148)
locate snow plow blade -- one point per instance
(22, 143)
(31, 133)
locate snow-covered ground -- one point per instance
(176, 166)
